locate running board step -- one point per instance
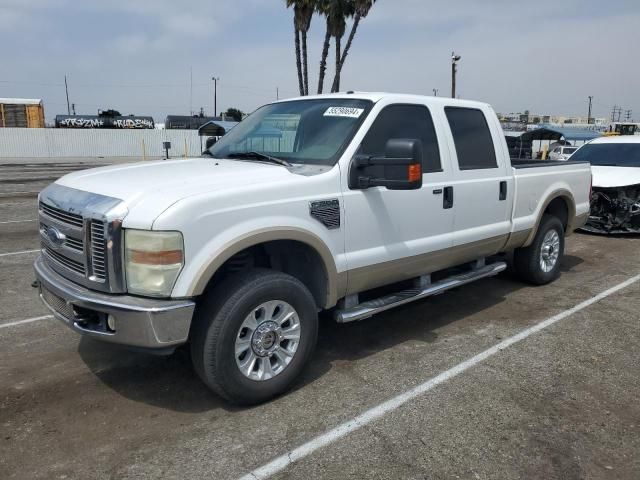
(367, 309)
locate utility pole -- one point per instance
(66, 89)
(454, 69)
(277, 93)
(627, 115)
(215, 95)
(435, 92)
(615, 113)
(73, 108)
(589, 114)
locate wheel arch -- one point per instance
(561, 204)
(280, 243)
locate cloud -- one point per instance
(546, 56)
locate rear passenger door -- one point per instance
(482, 181)
(391, 235)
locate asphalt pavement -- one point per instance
(560, 403)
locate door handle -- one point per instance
(503, 190)
(447, 200)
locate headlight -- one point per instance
(153, 261)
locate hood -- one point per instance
(152, 187)
(606, 177)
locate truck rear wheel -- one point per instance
(253, 335)
(539, 263)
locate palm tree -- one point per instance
(362, 8)
(296, 32)
(302, 14)
(306, 14)
(325, 48)
(338, 28)
(336, 13)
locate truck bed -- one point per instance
(528, 163)
(541, 179)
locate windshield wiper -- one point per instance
(259, 156)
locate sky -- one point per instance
(138, 56)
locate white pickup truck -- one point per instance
(352, 203)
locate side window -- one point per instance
(404, 121)
(472, 138)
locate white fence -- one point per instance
(60, 143)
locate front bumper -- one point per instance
(138, 322)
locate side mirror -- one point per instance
(399, 169)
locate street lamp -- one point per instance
(215, 95)
(435, 92)
(454, 69)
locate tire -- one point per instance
(528, 261)
(220, 327)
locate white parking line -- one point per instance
(28, 320)
(280, 463)
(23, 252)
(16, 221)
(13, 194)
(13, 204)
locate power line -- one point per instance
(615, 113)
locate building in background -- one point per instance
(530, 121)
(21, 113)
(187, 122)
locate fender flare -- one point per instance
(335, 282)
(565, 195)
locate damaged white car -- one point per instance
(615, 198)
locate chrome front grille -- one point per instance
(72, 219)
(81, 240)
(98, 249)
(72, 265)
(59, 305)
(71, 242)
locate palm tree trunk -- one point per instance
(305, 63)
(336, 79)
(298, 62)
(352, 34)
(323, 59)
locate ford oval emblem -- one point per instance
(55, 236)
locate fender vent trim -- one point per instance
(326, 212)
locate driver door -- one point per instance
(394, 235)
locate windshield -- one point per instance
(299, 131)
(610, 154)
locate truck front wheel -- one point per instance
(253, 335)
(539, 263)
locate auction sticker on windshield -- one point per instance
(350, 112)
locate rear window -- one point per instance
(472, 138)
(569, 150)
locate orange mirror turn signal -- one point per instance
(414, 173)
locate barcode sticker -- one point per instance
(350, 112)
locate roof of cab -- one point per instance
(396, 97)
